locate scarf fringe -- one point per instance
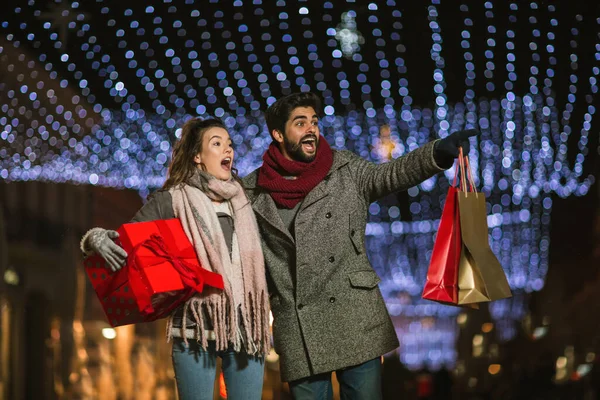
(255, 334)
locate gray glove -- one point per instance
(101, 242)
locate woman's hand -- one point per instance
(101, 242)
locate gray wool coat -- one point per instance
(327, 307)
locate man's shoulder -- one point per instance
(250, 181)
(344, 155)
(342, 158)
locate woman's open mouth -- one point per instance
(226, 163)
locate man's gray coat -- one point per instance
(327, 307)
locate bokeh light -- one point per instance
(95, 93)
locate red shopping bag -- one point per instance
(442, 276)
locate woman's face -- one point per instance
(216, 154)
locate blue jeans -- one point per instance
(361, 382)
(195, 371)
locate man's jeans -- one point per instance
(195, 371)
(361, 382)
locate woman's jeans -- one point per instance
(195, 371)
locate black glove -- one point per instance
(446, 149)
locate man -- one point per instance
(311, 204)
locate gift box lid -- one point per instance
(170, 230)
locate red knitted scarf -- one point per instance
(288, 192)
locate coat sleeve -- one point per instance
(378, 180)
(160, 206)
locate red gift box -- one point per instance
(162, 272)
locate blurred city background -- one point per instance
(92, 96)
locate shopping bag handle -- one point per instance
(456, 168)
(460, 166)
(463, 162)
(470, 175)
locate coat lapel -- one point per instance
(321, 190)
(265, 207)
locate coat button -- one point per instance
(331, 259)
(328, 215)
(300, 306)
(352, 232)
(332, 299)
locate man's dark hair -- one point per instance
(279, 112)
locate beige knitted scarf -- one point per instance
(243, 276)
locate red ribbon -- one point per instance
(192, 276)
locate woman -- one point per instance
(203, 191)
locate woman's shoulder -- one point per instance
(158, 206)
(161, 197)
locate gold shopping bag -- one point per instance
(480, 275)
(471, 288)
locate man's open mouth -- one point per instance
(309, 144)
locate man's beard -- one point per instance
(295, 151)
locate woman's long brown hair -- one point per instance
(182, 165)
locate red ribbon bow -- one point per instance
(192, 276)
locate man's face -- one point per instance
(301, 137)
